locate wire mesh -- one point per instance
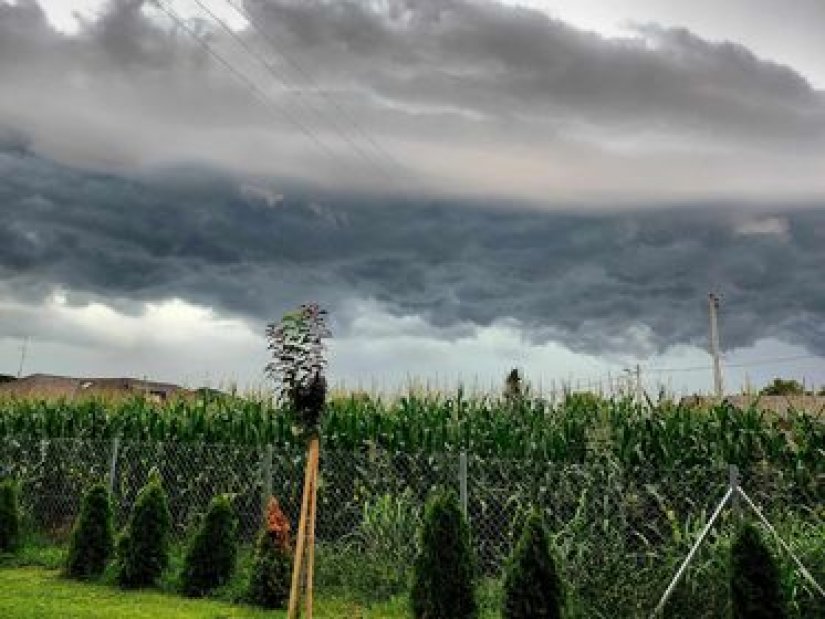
(619, 534)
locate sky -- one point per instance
(467, 186)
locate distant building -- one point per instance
(49, 386)
(779, 404)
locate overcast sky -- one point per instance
(466, 185)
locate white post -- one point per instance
(713, 308)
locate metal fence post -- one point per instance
(266, 477)
(462, 482)
(733, 480)
(113, 465)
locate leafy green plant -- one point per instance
(755, 582)
(210, 557)
(298, 364)
(92, 540)
(532, 586)
(10, 519)
(143, 548)
(445, 572)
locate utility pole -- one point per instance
(713, 308)
(639, 383)
(23, 349)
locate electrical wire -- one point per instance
(284, 80)
(289, 59)
(262, 97)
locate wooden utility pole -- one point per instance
(713, 309)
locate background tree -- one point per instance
(532, 587)
(755, 585)
(444, 572)
(513, 387)
(92, 540)
(781, 386)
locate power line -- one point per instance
(289, 59)
(260, 94)
(744, 364)
(286, 82)
(769, 361)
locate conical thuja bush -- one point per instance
(10, 518)
(271, 574)
(143, 548)
(444, 575)
(92, 540)
(532, 587)
(756, 592)
(210, 557)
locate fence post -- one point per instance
(266, 477)
(733, 481)
(462, 482)
(113, 465)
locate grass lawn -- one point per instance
(35, 592)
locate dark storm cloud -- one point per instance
(585, 280)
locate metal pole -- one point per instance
(266, 478)
(713, 308)
(733, 477)
(683, 568)
(113, 465)
(802, 569)
(462, 482)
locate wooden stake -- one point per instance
(297, 565)
(313, 502)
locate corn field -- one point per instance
(626, 487)
(581, 428)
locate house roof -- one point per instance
(47, 385)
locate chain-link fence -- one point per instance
(619, 534)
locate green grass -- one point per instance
(34, 592)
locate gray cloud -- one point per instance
(473, 98)
(590, 281)
(519, 64)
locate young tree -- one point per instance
(272, 564)
(298, 362)
(532, 587)
(210, 557)
(10, 518)
(755, 585)
(444, 572)
(143, 548)
(92, 541)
